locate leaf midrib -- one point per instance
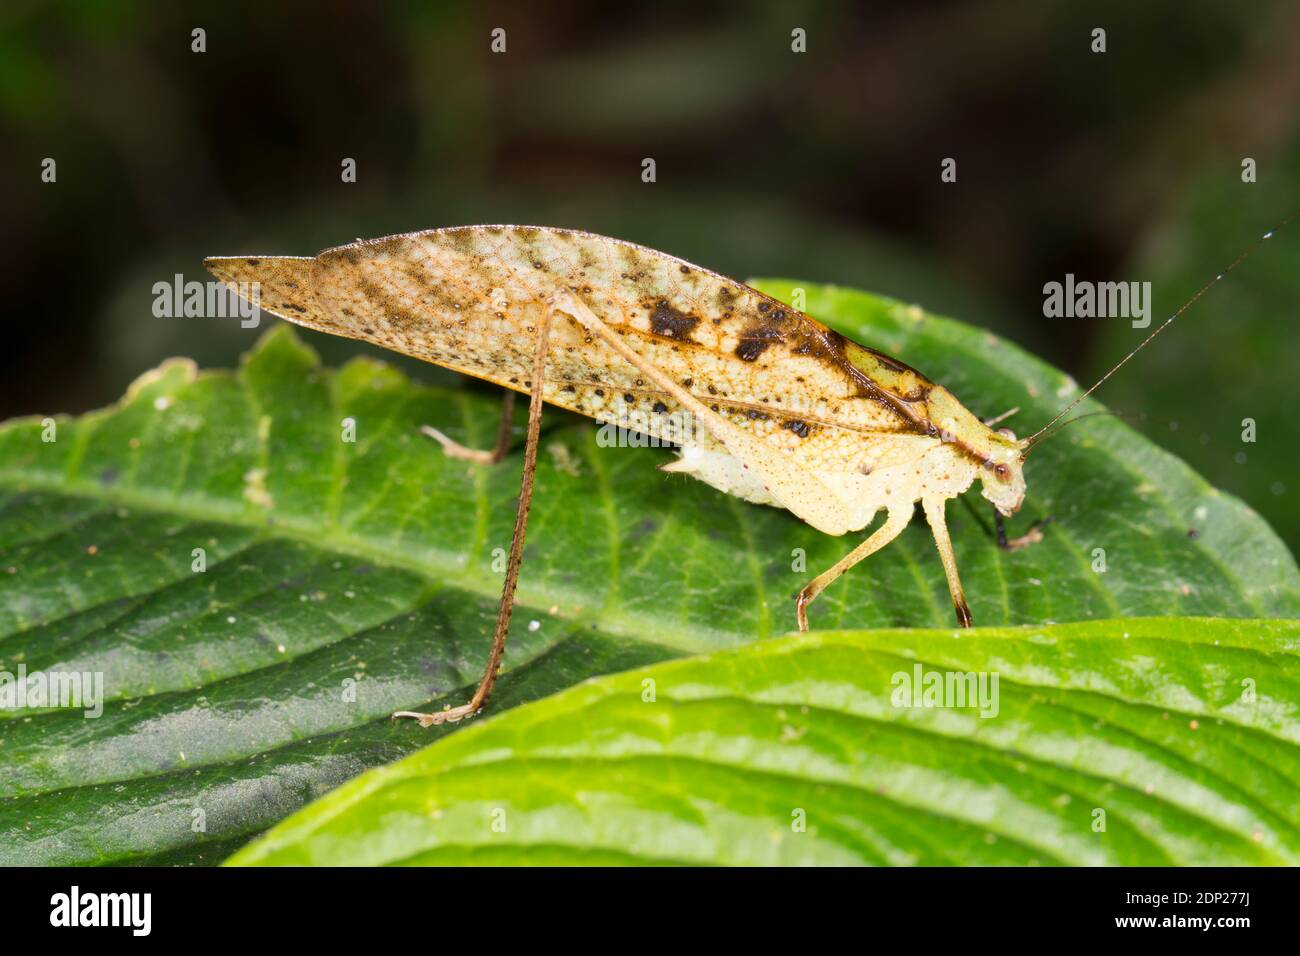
(444, 566)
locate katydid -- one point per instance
(764, 402)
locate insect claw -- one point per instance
(801, 609)
(963, 615)
(454, 449)
(479, 456)
(1032, 536)
(449, 716)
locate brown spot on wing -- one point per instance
(757, 337)
(670, 322)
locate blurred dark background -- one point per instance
(821, 165)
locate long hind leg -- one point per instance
(506, 608)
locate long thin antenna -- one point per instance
(1077, 418)
(1241, 257)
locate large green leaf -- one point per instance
(333, 565)
(1146, 741)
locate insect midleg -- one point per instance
(1032, 536)
(482, 456)
(934, 513)
(507, 606)
(895, 521)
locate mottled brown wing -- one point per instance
(469, 298)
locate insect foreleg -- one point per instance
(506, 608)
(895, 522)
(455, 449)
(934, 508)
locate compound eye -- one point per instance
(1000, 470)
